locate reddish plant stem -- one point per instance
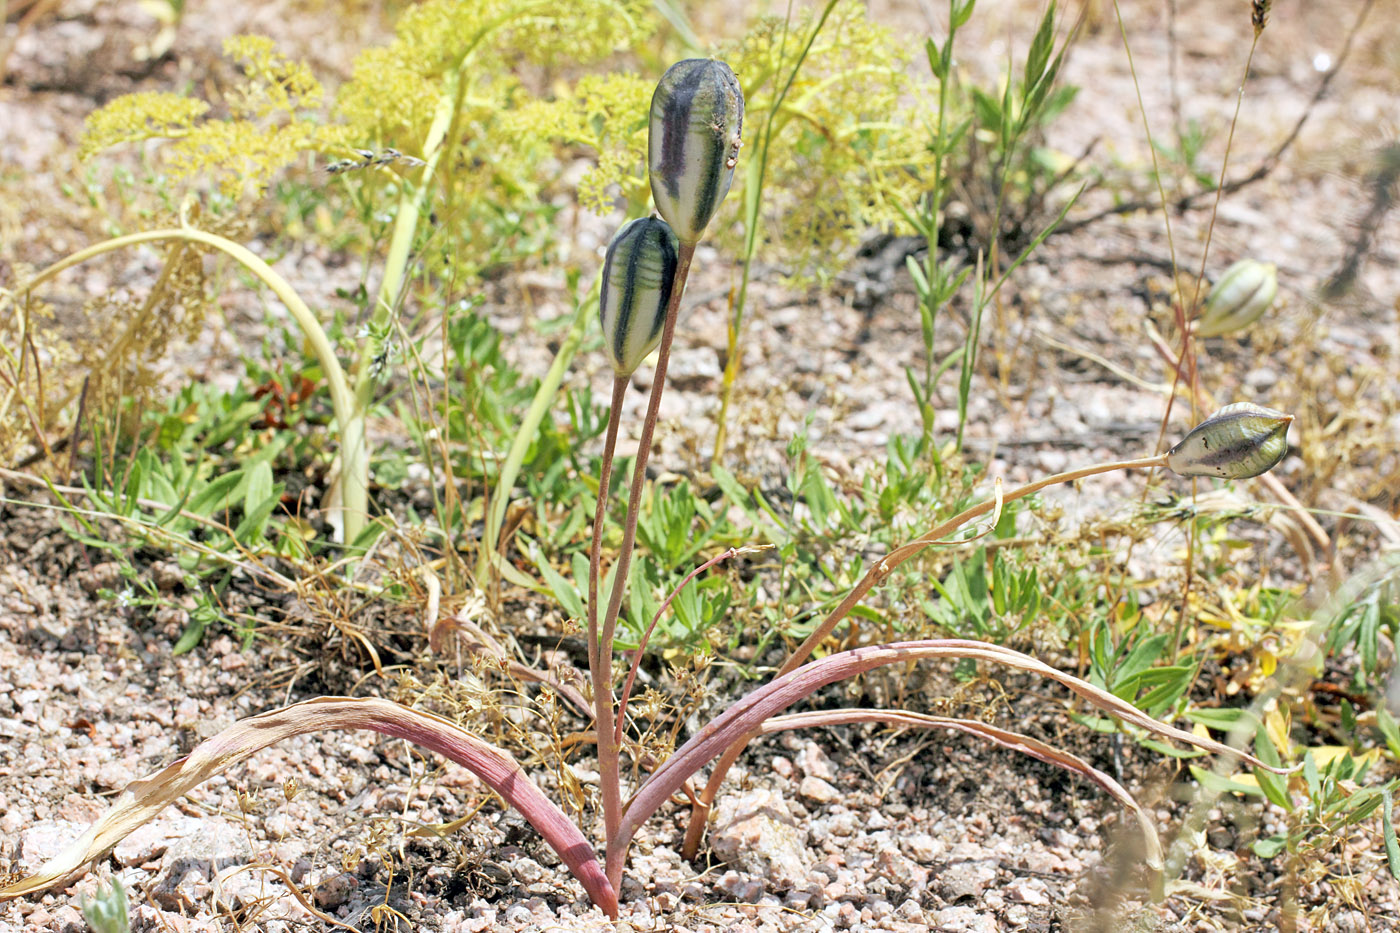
(700, 812)
(745, 718)
(599, 671)
(595, 552)
(609, 773)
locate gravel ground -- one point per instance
(838, 829)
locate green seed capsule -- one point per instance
(1243, 294)
(1238, 441)
(638, 274)
(697, 118)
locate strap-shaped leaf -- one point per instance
(143, 799)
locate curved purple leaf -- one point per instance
(143, 799)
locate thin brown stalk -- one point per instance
(610, 776)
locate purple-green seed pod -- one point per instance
(1241, 296)
(1237, 442)
(697, 119)
(638, 274)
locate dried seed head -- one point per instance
(637, 278)
(697, 119)
(1259, 15)
(1243, 294)
(1238, 441)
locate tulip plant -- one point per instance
(696, 122)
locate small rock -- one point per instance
(757, 833)
(1030, 891)
(45, 840)
(740, 886)
(67, 919)
(782, 767)
(242, 889)
(960, 918)
(192, 861)
(815, 763)
(693, 367)
(104, 576)
(923, 848)
(335, 890)
(817, 790)
(167, 575)
(153, 839)
(965, 879)
(527, 871)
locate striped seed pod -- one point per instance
(1239, 298)
(697, 118)
(638, 274)
(1237, 442)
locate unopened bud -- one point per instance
(1238, 441)
(1239, 298)
(638, 274)
(697, 118)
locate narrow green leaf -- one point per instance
(562, 589)
(1275, 787)
(1039, 53)
(1222, 785)
(254, 522)
(1392, 849)
(1390, 731)
(1223, 719)
(216, 495)
(193, 634)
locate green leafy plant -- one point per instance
(434, 93)
(985, 143)
(106, 912)
(696, 119)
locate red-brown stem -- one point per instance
(609, 773)
(595, 551)
(646, 636)
(599, 672)
(695, 830)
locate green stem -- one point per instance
(348, 419)
(751, 224)
(525, 435)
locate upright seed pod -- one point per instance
(697, 121)
(1237, 442)
(638, 274)
(1244, 292)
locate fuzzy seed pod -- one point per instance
(697, 118)
(1242, 295)
(638, 274)
(1237, 442)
